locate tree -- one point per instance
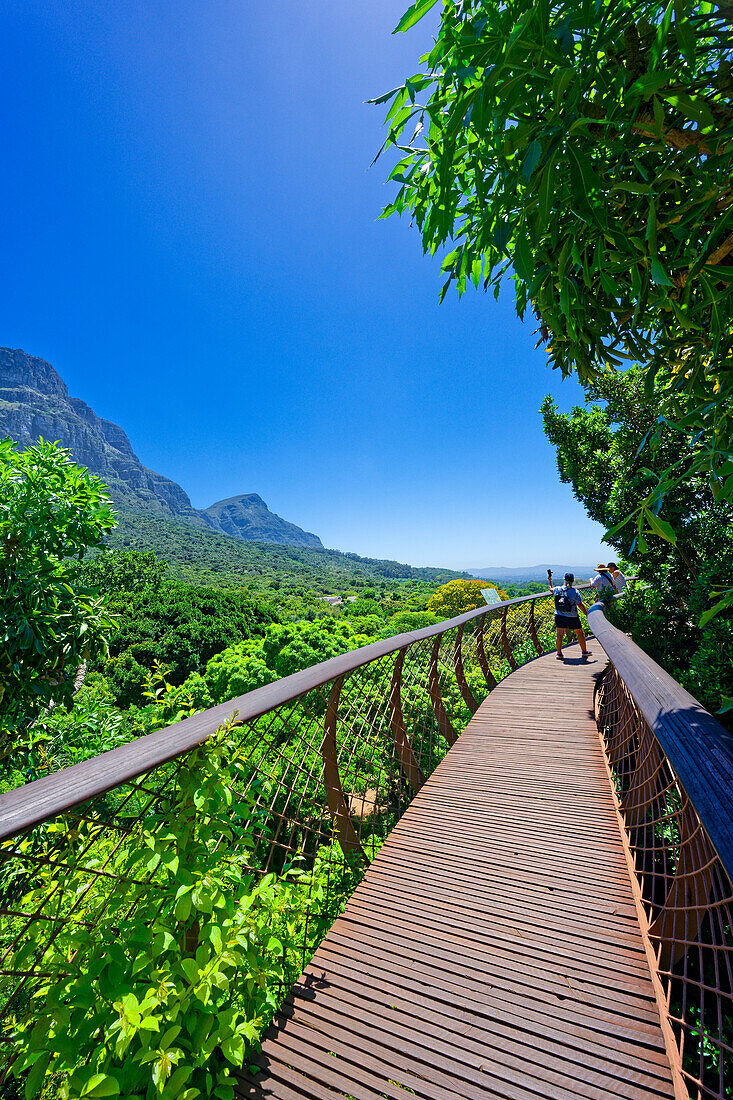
(51, 511)
(364, 605)
(170, 623)
(590, 147)
(456, 597)
(598, 453)
(117, 571)
(404, 622)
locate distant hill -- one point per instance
(247, 517)
(516, 574)
(209, 557)
(34, 401)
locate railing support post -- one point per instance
(345, 831)
(408, 761)
(466, 692)
(441, 714)
(533, 630)
(678, 923)
(646, 787)
(505, 641)
(481, 654)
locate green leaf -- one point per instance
(725, 274)
(686, 37)
(523, 258)
(547, 192)
(177, 1080)
(692, 107)
(414, 14)
(657, 50)
(183, 906)
(233, 1049)
(34, 1080)
(721, 605)
(168, 1036)
(659, 275)
(531, 158)
(592, 184)
(100, 1084)
(660, 527)
(560, 83)
(191, 970)
(387, 95)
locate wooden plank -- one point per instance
(492, 950)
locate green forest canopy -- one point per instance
(589, 148)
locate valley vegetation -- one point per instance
(587, 149)
(103, 646)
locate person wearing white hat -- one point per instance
(602, 580)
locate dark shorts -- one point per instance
(567, 622)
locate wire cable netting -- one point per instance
(306, 793)
(687, 894)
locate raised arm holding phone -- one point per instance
(567, 602)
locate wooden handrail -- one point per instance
(26, 806)
(697, 746)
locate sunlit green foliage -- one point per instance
(166, 1009)
(50, 510)
(287, 572)
(455, 597)
(589, 147)
(598, 453)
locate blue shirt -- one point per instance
(573, 596)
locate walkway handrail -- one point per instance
(35, 802)
(671, 766)
(697, 746)
(317, 766)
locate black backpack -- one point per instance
(563, 603)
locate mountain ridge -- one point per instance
(531, 572)
(35, 402)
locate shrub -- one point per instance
(50, 511)
(167, 1009)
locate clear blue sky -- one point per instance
(191, 238)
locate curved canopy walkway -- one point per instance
(493, 948)
(543, 853)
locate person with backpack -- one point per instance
(567, 602)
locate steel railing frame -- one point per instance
(671, 767)
(335, 754)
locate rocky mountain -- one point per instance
(247, 517)
(34, 401)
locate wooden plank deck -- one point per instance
(493, 948)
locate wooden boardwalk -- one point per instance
(493, 948)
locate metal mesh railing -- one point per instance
(304, 784)
(684, 888)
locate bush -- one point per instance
(405, 621)
(456, 597)
(50, 511)
(171, 624)
(664, 621)
(167, 1009)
